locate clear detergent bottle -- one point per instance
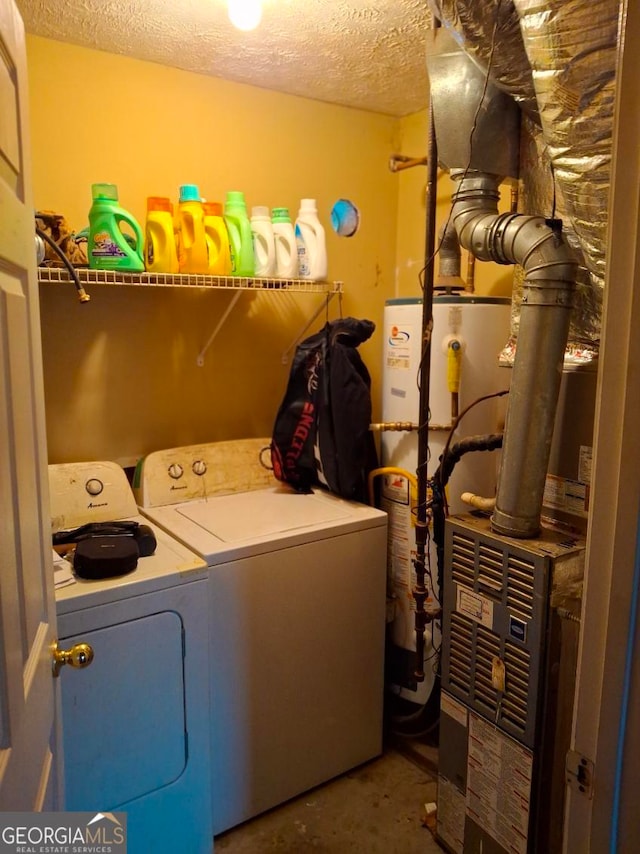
(192, 244)
(240, 237)
(217, 238)
(108, 247)
(310, 238)
(285, 240)
(264, 248)
(160, 253)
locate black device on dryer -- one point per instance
(107, 549)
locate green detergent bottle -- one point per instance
(109, 248)
(240, 236)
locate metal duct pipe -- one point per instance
(448, 258)
(449, 251)
(462, 98)
(550, 274)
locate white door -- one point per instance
(29, 771)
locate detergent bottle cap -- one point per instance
(212, 208)
(280, 215)
(159, 203)
(104, 191)
(260, 211)
(308, 206)
(189, 193)
(235, 197)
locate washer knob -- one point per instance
(176, 471)
(199, 467)
(94, 486)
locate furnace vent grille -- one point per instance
(472, 652)
(520, 586)
(463, 563)
(494, 615)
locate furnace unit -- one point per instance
(510, 636)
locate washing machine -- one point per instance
(297, 619)
(136, 720)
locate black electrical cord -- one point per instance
(427, 331)
(82, 294)
(447, 444)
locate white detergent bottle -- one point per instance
(311, 243)
(264, 247)
(285, 240)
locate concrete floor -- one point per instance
(378, 808)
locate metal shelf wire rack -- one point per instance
(47, 275)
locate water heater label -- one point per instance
(398, 355)
(474, 606)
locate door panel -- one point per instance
(28, 746)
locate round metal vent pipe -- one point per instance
(550, 274)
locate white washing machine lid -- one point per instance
(247, 516)
(241, 524)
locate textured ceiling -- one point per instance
(367, 54)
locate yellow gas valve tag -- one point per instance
(454, 364)
(498, 674)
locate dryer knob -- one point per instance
(94, 486)
(199, 467)
(176, 471)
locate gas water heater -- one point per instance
(468, 335)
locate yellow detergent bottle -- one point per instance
(192, 243)
(160, 253)
(217, 240)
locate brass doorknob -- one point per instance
(80, 655)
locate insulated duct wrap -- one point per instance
(557, 59)
(572, 48)
(536, 194)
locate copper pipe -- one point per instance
(514, 198)
(397, 426)
(398, 162)
(471, 273)
(420, 591)
(454, 406)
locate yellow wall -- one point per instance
(121, 377)
(120, 372)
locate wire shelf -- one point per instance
(51, 275)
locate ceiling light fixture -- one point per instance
(245, 14)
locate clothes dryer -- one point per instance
(136, 721)
(297, 610)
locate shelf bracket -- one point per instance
(221, 322)
(318, 311)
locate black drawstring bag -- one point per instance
(321, 433)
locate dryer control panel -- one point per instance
(88, 492)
